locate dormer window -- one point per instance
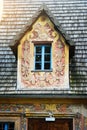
(43, 57)
(44, 51)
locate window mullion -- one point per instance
(42, 66)
(50, 58)
(6, 126)
(35, 58)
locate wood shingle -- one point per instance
(72, 16)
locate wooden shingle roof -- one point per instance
(42, 10)
(72, 16)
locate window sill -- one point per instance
(42, 70)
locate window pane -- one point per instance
(38, 66)
(38, 49)
(1, 126)
(47, 49)
(42, 57)
(11, 126)
(38, 58)
(47, 57)
(47, 66)
(5, 126)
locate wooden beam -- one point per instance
(20, 100)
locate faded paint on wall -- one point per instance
(43, 32)
(80, 118)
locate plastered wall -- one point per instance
(77, 112)
(43, 31)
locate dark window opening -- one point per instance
(6, 125)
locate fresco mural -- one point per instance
(80, 119)
(43, 32)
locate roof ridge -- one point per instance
(41, 9)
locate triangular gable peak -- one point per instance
(43, 53)
(43, 10)
(44, 50)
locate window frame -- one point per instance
(13, 119)
(5, 125)
(43, 46)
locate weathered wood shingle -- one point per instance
(72, 15)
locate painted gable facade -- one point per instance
(43, 33)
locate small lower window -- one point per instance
(43, 57)
(6, 125)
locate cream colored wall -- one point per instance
(43, 31)
(1, 9)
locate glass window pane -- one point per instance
(47, 58)
(38, 49)
(47, 49)
(5, 126)
(0, 125)
(11, 126)
(38, 66)
(47, 66)
(38, 58)
(42, 57)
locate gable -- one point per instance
(42, 10)
(43, 32)
(43, 28)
